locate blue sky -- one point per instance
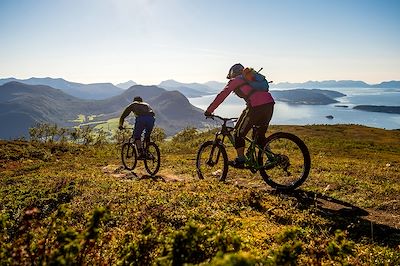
(149, 41)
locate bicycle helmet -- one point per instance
(235, 70)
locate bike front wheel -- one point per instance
(285, 161)
(152, 158)
(212, 161)
(129, 156)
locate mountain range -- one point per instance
(100, 91)
(25, 102)
(337, 84)
(126, 85)
(192, 89)
(23, 105)
(84, 91)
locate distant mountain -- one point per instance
(22, 105)
(58, 83)
(305, 96)
(336, 84)
(215, 85)
(188, 92)
(172, 108)
(126, 85)
(388, 84)
(187, 89)
(83, 91)
(174, 111)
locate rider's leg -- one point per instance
(240, 159)
(260, 135)
(260, 115)
(148, 128)
(242, 127)
(139, 146)
(137, 133)
(263, 117)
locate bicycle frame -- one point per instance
(131, 140)
(284, 154)
(225, 132)
(251, 160)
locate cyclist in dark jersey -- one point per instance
(260, 107)
(144, 122)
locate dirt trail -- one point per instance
(324, 204)
(118, 171)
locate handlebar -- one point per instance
(233, 119)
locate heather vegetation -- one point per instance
(65, 200)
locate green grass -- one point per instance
(59, 206)
(80, 119)
(109, 125)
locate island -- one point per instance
(307, 96)
(379, 108)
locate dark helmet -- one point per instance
(235, 70)
(138, 99)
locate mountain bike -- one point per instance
(129, 155)
(283, 162)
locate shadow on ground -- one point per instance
(361, 224)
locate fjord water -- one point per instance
(290, 114)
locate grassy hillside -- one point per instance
(74, 204)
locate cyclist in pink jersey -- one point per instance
(259, 110)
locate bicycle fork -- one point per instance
(210, 161)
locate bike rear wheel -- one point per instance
(286, 161)
(129, 156)
(152, 158)
(212, 161)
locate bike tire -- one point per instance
(290, 153)
(209, 163)
(129, 156)
(152, 160)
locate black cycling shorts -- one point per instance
(258, 116)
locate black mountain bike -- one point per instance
(129, 155)
(284, 162)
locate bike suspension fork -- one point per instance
(216, 142)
